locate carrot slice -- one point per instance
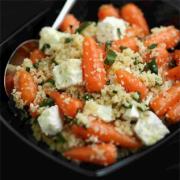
(174, 73)
(94, 73)
(168, 35)
(135, 31)
(67, 105)
(131, 83)
(25, 84)
(106, 133)
(165, 100)
(176, 56)
(101, 154)
(107, 10)
(133, 14)
(69, 24)
(36, 55)
(173, 115)
(129, 42)
(160, 54)
(9, 82)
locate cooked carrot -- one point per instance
(36, 55)
(105, 132)
(160, 54)
(165, 100)
(133, 14)
(67, 105)
(129, 42)
(174, 73)
(135, 31)
(69, 24)
(176, 56)
(168, 35)
(94, 73)
(25, 84)
(107, 10)
(101, 154)
(131, 83)
(9, 82)
(173, 115)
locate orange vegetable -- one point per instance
(160, 54)
(174, 73)
(9, 80)
(135, 31)
(176, 56)
(166, 100)
(107, 10)
(25, 84)
(67, 105)
(69, 24)
(94, 73)
(129, 42)
(131, 83)
(36, 55)
(173, 115)
(168, 35)
(105, 132)
(131, 13)
(101, 154)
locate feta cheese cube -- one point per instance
(68, 73)
(101, 111)
(111, 29)
(150, 128)
(50, 121)
(51, 36)
(131, 114)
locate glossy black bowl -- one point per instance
(156, 12)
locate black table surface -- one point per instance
(18, 160)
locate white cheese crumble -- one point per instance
(150, 128)
(50, 121)
(131, 114)
(111, 29)
(68, 73)
(102, 111)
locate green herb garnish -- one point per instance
(108, 44)
(114, 92)
(119, 32)
(47, 102)
(50, 81)
(36, 65)
(172, 64)
(108, 82)
(152, 66)
(28, 69)
(83, 26)
(152, 46)
(136, 96)
(127, 105)
(68, 40)
(60, 138)
(45, 46)
(110, 58)
(87, 97)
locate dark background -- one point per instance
(19, 161)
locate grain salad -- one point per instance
(98, 91)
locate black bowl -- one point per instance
(157, 13)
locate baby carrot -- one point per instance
(133, 14)
(107, 10)
(174, 73)
(69, 24)
(176, 56)
(67, 105)
(173, 115)
(25, 84)
(165, 100)
(106, 133)
(168, 35)
(131, 83)
(94, 73)
(36, 55)
(129, 42)
(135, 31)
(101, 154)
